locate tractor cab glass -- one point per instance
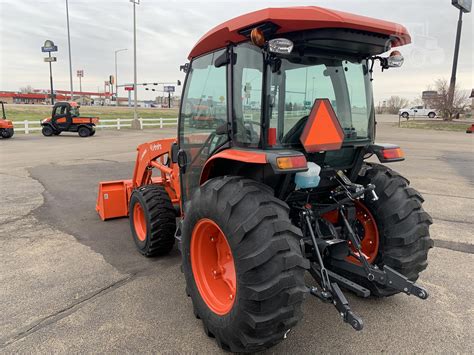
(293, 84)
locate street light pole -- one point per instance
(452, 83)
(135, 122)
(69, 45)
(116, 77)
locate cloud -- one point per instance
(167, 31)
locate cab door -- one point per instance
(205, 91)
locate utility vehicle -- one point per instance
(6, 126)
(66, 118)
(271, 194)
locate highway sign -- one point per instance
(80, 73)
(168, 88)
(49, 49)
(50, 59)
(128, 88)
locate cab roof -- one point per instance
(292, 19)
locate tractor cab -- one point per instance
(6, 126)
(301, 86)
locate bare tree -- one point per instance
(395, 103)
(26, 89)
(441, 102)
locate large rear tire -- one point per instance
(242, 219)
(403, 226)
(152, 220)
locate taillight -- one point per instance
(393, 153)
(292, 162)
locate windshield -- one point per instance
(295, 87)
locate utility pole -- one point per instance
(463, 6)
(116, 75)
(69, 45)
(135, 122)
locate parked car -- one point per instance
(417, 111)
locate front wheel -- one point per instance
(406, 115)
(243, 264)
(432, 115)
(47, 131)
(152, 220)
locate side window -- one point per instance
(204, 108)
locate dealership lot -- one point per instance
(71, 282)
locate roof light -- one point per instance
(293, 162)
(280, 45)
(257, 37)
(395, 60)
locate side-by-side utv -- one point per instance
(6, 126)
(282, 185)
(66, 118)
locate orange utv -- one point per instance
(66, 118)
(282, 187)
(6, 126)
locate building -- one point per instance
(41, 97)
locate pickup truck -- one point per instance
(417, 111)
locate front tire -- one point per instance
(47, 131)
(432, 115)
(266, 258)
(406, 115)
(403, 226)
(152, 220)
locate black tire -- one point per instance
(84, 131)
(432, 115)
(402, 223)
(267, 257)
(160, 217)
(47, 131)
(92, 132)
(7, 132)
(57, 133)
(406, 115)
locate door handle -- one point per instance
(182, 160)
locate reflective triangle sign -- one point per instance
(322, 130)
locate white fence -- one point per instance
(118, 123)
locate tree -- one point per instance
(26, 90)
(395, 103)
(441, 102)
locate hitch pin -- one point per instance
(371, 187)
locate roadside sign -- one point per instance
(463, 5)
(50, 59)
(49, 49)
(128, 88)
(168, 88)
(80, 73)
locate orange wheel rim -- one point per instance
(213, 266)
(370, 233)
(139, 222)
(367, 228)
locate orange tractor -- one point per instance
(281, 187)
(6, 126)
(66, 118)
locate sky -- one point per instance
(167, 31)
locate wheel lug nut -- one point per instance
(231, 296)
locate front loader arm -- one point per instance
(153, 155)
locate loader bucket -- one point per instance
(112, 201)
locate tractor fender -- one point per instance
(246, 162)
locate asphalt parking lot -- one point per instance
(72, 283)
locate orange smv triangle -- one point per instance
(322, 130)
